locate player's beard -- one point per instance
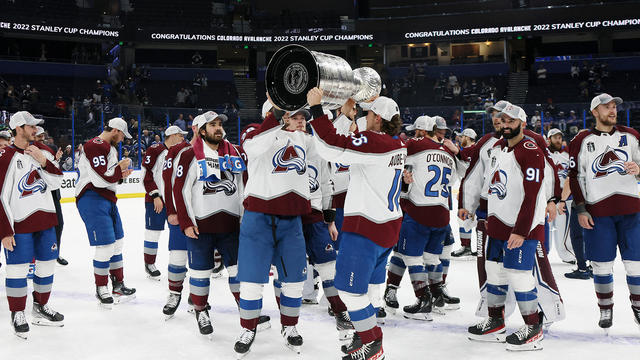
(511, 134)
(606, 120)
(213, 139)
(553, 147)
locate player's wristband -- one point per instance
(155, 195)
(329, 215)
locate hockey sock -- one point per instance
(250, 304)
(496, 311)
(396, 270)
(177, 271)
(277, 290)
(217, 258)
(524, 288)
(151, 246)
(418, 277)
(43, 281)
(115, 263)
(101, 264)
(496, 295)
(327, 272)
(445, 260)
(465, 237)
(435, 274)
(362, 315)
(633, 281)
(603, 281)
(290, 302)
(199, 288)
(234, 284)
(16, 286)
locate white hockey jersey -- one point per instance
(474, 190)
(98, 169)
(278, 182)
(27, 204)
(340, 172)
(517, 199)
(596, 171)
(561, 160)
(152, 166)
(51, 156)
(434, 168)
(320, 186)
(372, 206)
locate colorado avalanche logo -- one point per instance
(31, 183)
(314, 184)
(498, 185)
(340, 168)
(227, 185)
(290, 157)
(611, 161)
(563, 170)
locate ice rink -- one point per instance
(138, 330)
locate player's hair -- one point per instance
(431, 133)
(392, 127)
(107, 128)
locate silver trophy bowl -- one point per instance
(294, 70)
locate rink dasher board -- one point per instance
(131, 187)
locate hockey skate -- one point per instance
(152, 272)
(381, 316)
(451, 302)
(121, 293)
(344, 326)
(464, 253)
(390, 299)
(173, 301)
(204, 323)
(292, 339)
(421, 309)
(45, 316)
(636, 315)
(217, 271)
(104, 297)
(438, 303)
(19, 324)
(490, 329)
(264, 323)
(369, 351)
(191, 310)
(311, 299)
(578, 274)
(606, 320)
(244, 342)
(355, 343)
(527, 338)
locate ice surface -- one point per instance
(137, 330)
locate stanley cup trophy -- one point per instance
(294, 70)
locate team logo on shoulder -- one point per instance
(530, 145)
(611, 161)
(98, 141)
(290, 157)
(314, 184)
(227, 185)
(340, 168)
(498, 185)
(31, 183)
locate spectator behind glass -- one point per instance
(147, 139)
(157, 140)
(180, 122)
(66, 162)
(181, 97)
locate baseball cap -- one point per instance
(120, 124)
(366, 106)
(23, 118)
(173, 129)
(266, 107)
(39, 130)
(439, 123)
(303, 111)
(604, 99)
(420, 123)
(5, 134)
(469, 132)
(553, 131)
(385, 107)
(207, 117)
(499, 106)
(515, 112)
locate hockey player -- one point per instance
(516, 196)
(54, 157)
(603, 166)
(372, 212)
(319, 227)
(27, 221)
(100, 172)
(155, 211)
(206, 194)
(559, 234)
(467, 140)
(5, 139)
(277, 194)
(177, 269)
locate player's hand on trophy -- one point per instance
(551, 211)
(157, 205)
(349, 109)
(333, 231)
(451, 146)
(463, 214)
(314, 96)
(37, 154)
(515, 241)
(173, 219)
(9, 242)
(271, 101)
(192, 232)
(632, 168)
(124, 163)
